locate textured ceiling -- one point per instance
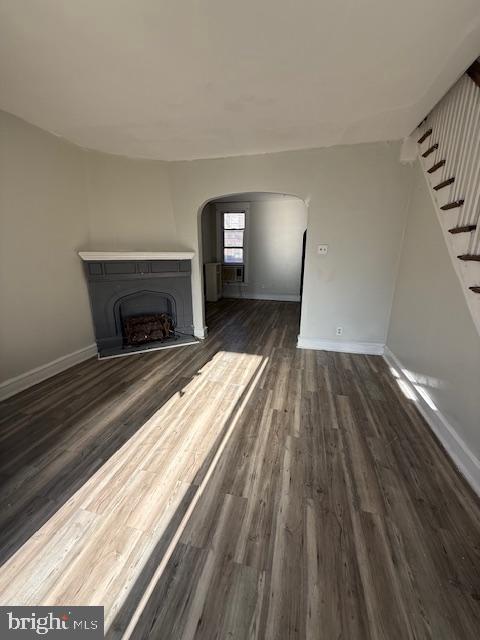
(173, 79)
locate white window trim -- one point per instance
(234, 207)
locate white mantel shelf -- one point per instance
(91, 256)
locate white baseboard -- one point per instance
(200, 332)
(367, 348)
(280, 297)
(466, 462)
(34, 376)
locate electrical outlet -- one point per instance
(322, 249)
(339, 331)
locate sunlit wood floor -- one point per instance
(319, 504)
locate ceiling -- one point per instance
(254, 196)
(172, 79)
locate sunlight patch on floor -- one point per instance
(106, 532)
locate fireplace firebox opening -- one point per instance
(146, 328)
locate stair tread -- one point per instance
(433, 148)
(475, 257)
(452, 205)
(443, 184)
(425, 136)
(474, 72)
(436, 166)
(465, 229)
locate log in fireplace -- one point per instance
(148, 328)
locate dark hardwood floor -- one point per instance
(316, 501)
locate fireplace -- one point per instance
(139, 301)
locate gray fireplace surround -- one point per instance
(125, 284)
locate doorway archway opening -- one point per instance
(251, 247)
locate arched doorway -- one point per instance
(251, 248)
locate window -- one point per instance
(233, 237)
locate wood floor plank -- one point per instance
(331, 512)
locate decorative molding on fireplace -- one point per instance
(39, 374)
(135, 255)
(135, 285)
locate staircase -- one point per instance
(449, 150)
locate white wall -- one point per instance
(357, 198)
(274, 238)
(431, 329)
(44, 305)
(129, 204)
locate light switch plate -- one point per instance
(322, 249)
